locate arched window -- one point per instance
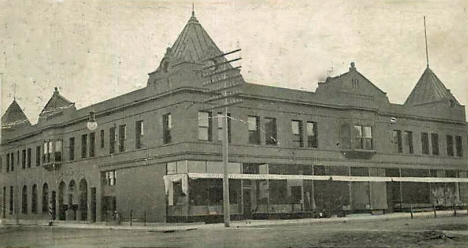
(24, 202)
(45, 198)
(34, 199)
(71, 192)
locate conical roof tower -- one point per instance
(14, 117)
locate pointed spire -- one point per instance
(193, 43)
(425, 36)
(193, 9)
(14, 117)
(429, 89)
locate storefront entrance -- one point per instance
(247, 203)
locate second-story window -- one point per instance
(38, 155)
(58, 150)
(167, 128)
(71, 147)
(362, 137)
(398, 147)
(139, 132)
(84, 145)
(29, 157)
(23, 159)
(425, 143)
(122, 137)
(459, 146)
(450, 146)
(92, 144)
(253, 123)
(312, 134)
(110, 178)
(112, 140)
(408, 142)
(102, 138)
(296, 127)
(12, 167)
(46, 151)
(435, 143)
(8, 162)
(271, 133)
(204, 126)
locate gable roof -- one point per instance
(14, 117)
(428, 89)
(56, 102)
(193, 43)
(352, 83)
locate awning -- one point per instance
(326, 178)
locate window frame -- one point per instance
(139, 133)
(312, 137)
(425, 143)
(450, 145)
(167, 128)
(71, 148)
(122, 137)
(254, 134)
(84, 145)
(435, 144)
(205, 126)
(297, 138)
(271, 131)
(398, 146)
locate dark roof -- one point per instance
(56, 103)
(14, 117)
(193, 44)
(428, 89)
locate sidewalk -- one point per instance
(173, 227)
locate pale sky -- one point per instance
(95, 50)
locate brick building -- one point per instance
(156, 153)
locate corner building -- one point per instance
(156, 155)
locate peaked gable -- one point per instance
(57, 103)
(352, 84)
(429, 89)
(14, 117)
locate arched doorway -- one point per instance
(72, 203)
(61, 206)
(83, 196)
(24, 206)
(34, 199)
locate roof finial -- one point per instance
(193, 9)
(14, 91)
(425, 35)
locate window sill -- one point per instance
(358, 153)
(52, 166)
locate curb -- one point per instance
(169, 228)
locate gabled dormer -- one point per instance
(14, 118)
(56, 106)
(351, 88)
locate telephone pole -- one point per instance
(222, 79)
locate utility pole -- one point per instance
(222, 78)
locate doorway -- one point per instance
(93, 204)
(53, 205)
(247, 203)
